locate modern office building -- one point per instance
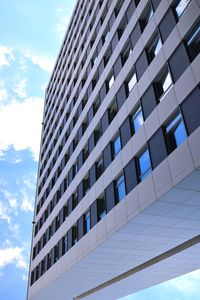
(118, 193)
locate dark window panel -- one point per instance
(114, 41)
(130, 10)
(178, 62)
(107, 156)
(167, 25)
(80, 191)
(135, 34)
(141, 65)
(93, 212)
(91, 142)
(90, 115)
(69, 238)
(148, 102)
(130, 176)
(157, 148)
(105, 121)
(112, 20)
(125, 132)
(117, 66)
(80, 160)
(103, 92)
(121, 96)
(80, 225)
(92, 174)
(155, 3)
(110, 197)
(191, 110)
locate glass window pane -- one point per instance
(175, 133)
(132, 82)
(111, 81)
(87, 221)
(180, 7)
(193, 43)
(121, 191)
(144, 164)
(137, 119)
(117, 145)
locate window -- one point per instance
(162, 83)
(121, 28)
(87, 221)
(65, 212)
(48, 260)
(193, 42)
(148, 13)
(180, 6)
(96, 105)
(107, 56)
(94, 59)
(131, 81)
(118, 7)
(75, 169)
(99, 167)
(85, 153)
(144, 164)
(110, 82)
(154, 47)
(97, 133)
(101, 207)
(175, 132)
(120, 188)
(56, 254)
(126, 53)
(74, 235)
(116, 145)
(74, 200)
(64, 244)
(105, 35)
(137, 119)
(75, 142)
(86, 185)
(57, 221)
(112, 111)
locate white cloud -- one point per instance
(61, 26)
(3, 94)
(4, 213)
(27, 202)
(6, 55)
(13, 255)
(187, 284)
(20, 87)
(22, 125)
(11, 199)
(25, 277)
(45, 63)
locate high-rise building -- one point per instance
(118, 193)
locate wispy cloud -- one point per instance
(187, 284)
(13, 255)
(64, 19)
(27, 202)
(44, 62)
(6, 55)
(20, 87)
(4, 213)
(26, 118)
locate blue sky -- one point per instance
(30, 36)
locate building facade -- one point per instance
(118, 191)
